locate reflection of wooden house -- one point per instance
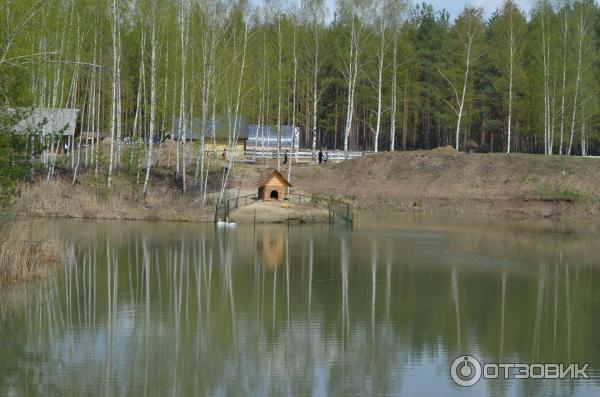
(270, 247)
(272, 185)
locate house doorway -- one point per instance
(274, 195)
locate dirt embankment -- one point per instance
(484, 184)
(441, 180)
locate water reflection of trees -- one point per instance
(204, 311)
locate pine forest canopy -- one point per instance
(366, 75)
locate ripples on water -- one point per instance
(158, 309)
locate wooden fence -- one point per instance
(304, 155)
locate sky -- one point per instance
(454, 7)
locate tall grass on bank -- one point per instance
(24, 254)
(91, 199)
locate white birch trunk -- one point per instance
(236, 113)
(119, 100)
(138, 100)
(295, 61)
(382, 28)
(207, 52)
(96, 147)
(317, 20)
(113, 111)
(564, 83)
(153, 66)
(394, 106)
(582, 31)
(461, 105)
(315, 101)
(351, 72)
(546, 73)
(185, 5)
(583, 136)
(280, 93)
(510, 80)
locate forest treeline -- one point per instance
(367, 75)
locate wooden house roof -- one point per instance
(269, 174)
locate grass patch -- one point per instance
(555, 193)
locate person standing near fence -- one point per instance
(320, 156)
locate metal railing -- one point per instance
(338, 210)
(225, 206)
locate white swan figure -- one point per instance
(221, 223)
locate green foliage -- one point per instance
(38, 65)
(15, 156)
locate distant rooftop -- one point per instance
(49, 121)
(193, 128)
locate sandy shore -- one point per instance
(274, 212)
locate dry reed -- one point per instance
(122, 201)
(25, 254)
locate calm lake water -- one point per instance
(176, 309)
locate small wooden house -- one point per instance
(272, 185)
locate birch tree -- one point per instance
(512, 28)
(381, 26)
(566, 21)
(535, 85)
(239, 55)
(115, 86)
(184, 13)
(581, 31)
(153, 97)
(394, 10)
(211, 38)
(294, 89)
(468, 28)
(278, 17)
(314, 14)
(353, 12)
(545, 19)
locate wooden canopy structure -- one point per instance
(272, 185)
